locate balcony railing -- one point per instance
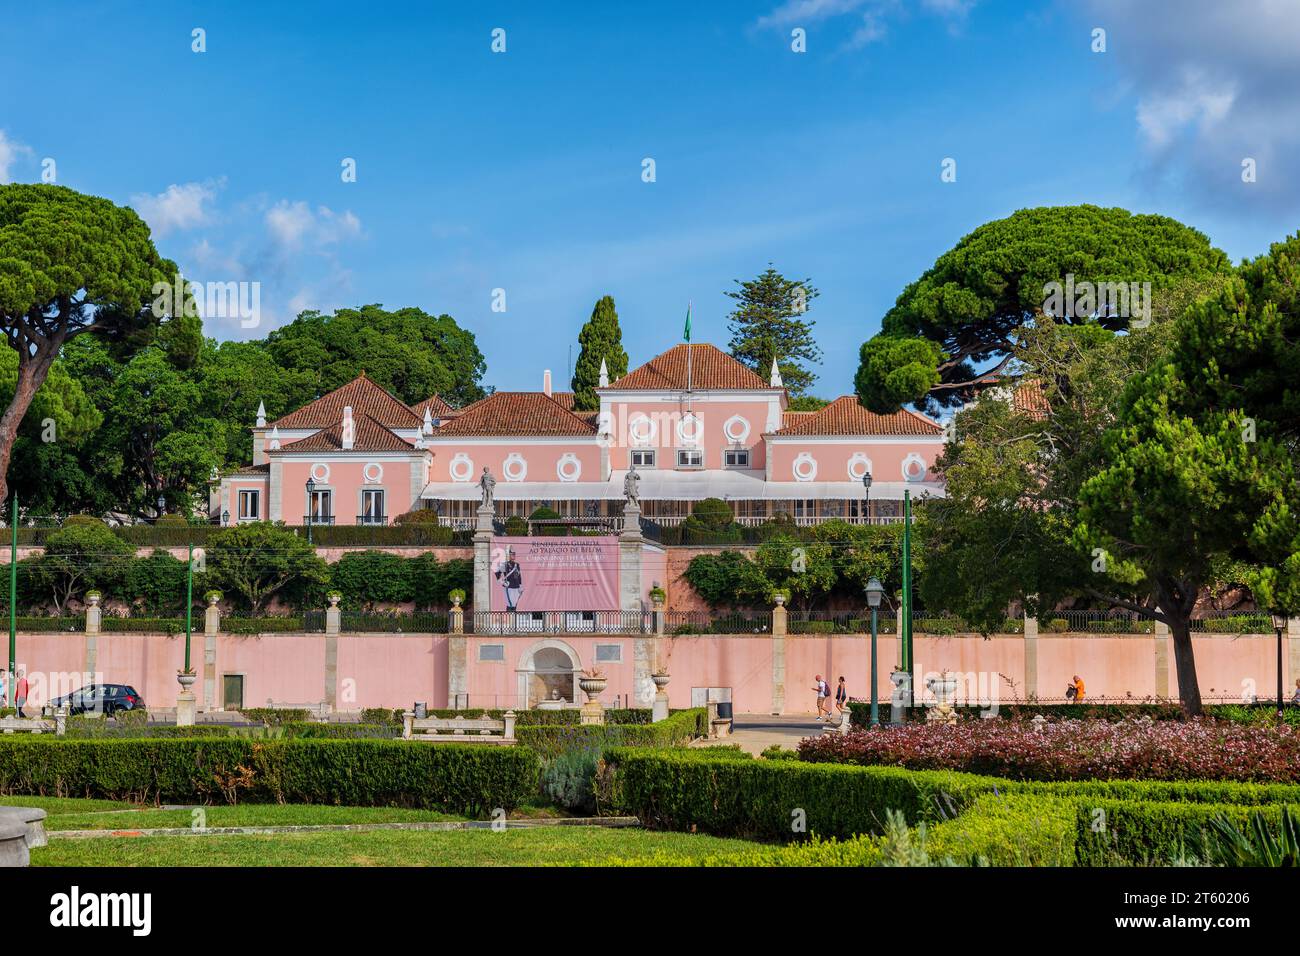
(560, 622)
(376, 521)
(317, 520)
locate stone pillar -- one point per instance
(1160, 639)
(332, 671)
(93, 618)
(457, 670)
(1293, 654)
(629, 558)
(456, 620)
(185, 703)
(643, 665)
(658, 616)
(481, 598)
(1031, 657)
(659, 710)
(211, 628)
(333, 616)
(779, 626)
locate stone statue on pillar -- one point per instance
(630, 491)
(488, 484)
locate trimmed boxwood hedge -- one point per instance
(758, 799)
(551, 741)
(453, 778)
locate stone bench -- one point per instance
(33, 821)
(317, 709)
(461, 730)
(35, 725)
(13, 844)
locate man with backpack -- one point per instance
(823, 698)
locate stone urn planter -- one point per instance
(592, 687)
(661, 682)
(944, 688)
(186, 680)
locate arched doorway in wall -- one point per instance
(548, 670)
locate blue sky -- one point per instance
(522, 170)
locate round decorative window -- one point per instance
(859, 466)
(373, 473)
(914, 467)
(320, 472)
(736, 429)
(460, 467)
(690, 429)
(568, 468)
(804, 467)
(514, 467)
(642, 429)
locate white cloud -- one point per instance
(293, 224)
(177, 207)
(872, 16)
(1214, 84)
(9, 153)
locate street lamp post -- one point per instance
(311, 489)
(874, 591)
(225, 518)
(866, 497)
(162, 507)
(1279, 625)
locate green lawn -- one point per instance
(245, 815)
(532, 847)
(53, 805)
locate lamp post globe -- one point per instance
(874, 591)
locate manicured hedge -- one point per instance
(529, 718)
(1133, 833)
(274, 716)
(454, 778)
(96, 728)
(271, 624)
(147, 625)
(1261, 713)
(551, 741)
(758, 799)
(1008, 830)
(363, 731)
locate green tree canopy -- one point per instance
(69, 264)
(255, 562)
(407, 351)
(770, 322)
(936, 343)
(601, 340)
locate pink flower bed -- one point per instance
(1075, 750)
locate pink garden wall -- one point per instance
(384, 670)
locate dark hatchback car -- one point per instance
(106, 699)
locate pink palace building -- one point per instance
(694, 423)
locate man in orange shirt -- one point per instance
(1078, 689)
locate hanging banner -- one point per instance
(555, 574)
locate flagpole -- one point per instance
(689, 354)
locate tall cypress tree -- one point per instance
(600, 338)
(769, 322)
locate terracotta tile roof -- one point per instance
(845, 416)
(565, 399)
(1030, 398)
(788, 417)
(255, 470)
(368, 435)
(710, 368)
(516, 413)
(366, 399)
(437, 405)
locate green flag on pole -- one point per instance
(686, 332)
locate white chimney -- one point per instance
(275, 438)
(428, 422)
(776, 375)
(348, 430)
(546, 382)
(604, 375)
(261, 414)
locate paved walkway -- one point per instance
(756, 732)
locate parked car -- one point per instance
(106, 699)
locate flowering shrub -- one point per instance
(1075, 750)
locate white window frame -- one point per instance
(644, 453)
(374, 493)
(255, 494)
(697, 453)
(735, 451)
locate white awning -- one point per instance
(656, 485)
